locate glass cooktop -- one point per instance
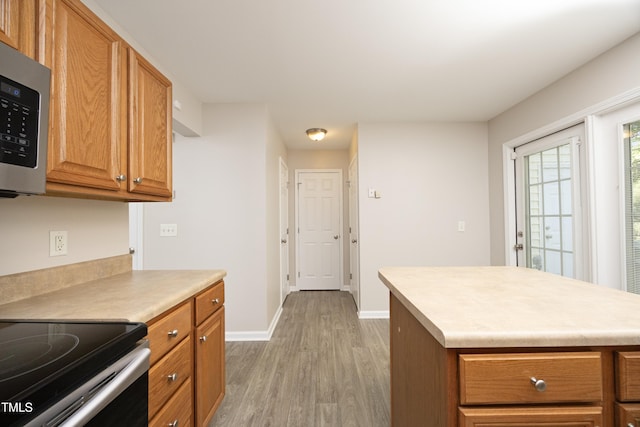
(40, 361)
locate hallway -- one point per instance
(322, 367)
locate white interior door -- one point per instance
(354, 252)
(284, 230)
(319, 228)
(548, 204)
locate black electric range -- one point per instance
(42, 361)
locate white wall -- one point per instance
(318, 159)
(605, 77)
(222, 212)
(430, 176)
(96, 229)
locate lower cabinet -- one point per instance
(210, 366)
(187, 374)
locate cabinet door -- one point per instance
(532, 416)
(18, 25)
(210, 375)
(149, 128)
(88, 97)
(628, 414)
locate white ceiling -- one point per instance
(334, 63)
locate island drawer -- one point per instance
(519, 378)
(628, 376)
(166, 376)
(169, 330)
(209, 302)
(585, 416)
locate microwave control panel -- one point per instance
(19, 108)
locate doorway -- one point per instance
(548, 204)
(319, 229)
(354, 253)
(284, 230)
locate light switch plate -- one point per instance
(168, 230)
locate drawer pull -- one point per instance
(203, 338)
(173, 333)
(172, 377)
(173, 424)
(215, 301)
(540, 385)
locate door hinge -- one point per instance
(350, 276)
(298, 274)
(287, 277)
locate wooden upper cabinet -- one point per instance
(149, 128)
(110, 118)
(88, 97)
(18, 25)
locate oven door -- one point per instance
(116, 396)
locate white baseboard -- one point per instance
(255, 335)
(383, 314)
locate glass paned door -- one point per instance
(547, 193)
(631, 132)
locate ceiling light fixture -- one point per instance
(316, 134)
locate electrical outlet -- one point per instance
(57, 243)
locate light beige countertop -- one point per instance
(136, 296)
(469, 307)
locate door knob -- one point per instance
(354, 241)
(138, 180)
(283, 240)
(336, 237)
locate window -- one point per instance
(631, 132)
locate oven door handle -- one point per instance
(136, 363)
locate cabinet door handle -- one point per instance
(172, 377)
(121, 178)
(540, 385)
(173, 424)
(173, 333)
(138, 180)
(203, 338)
(215, 301)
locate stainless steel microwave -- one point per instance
(24, 123)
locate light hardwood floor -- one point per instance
(322, 367)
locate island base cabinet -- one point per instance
(531, 417)
(421, 371)
(210, 370)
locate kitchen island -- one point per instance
(504, 346)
